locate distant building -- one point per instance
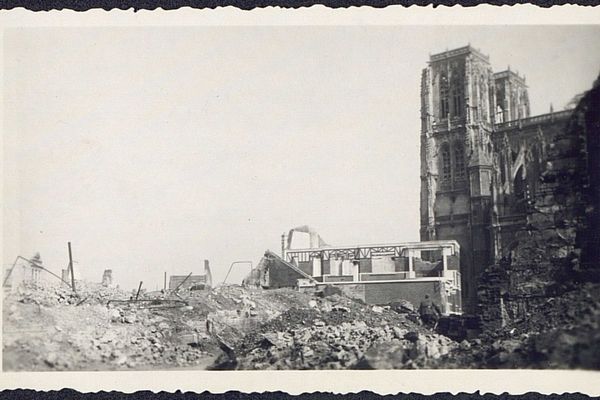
(199, 281)
(25, 271)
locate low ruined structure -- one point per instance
(383, 273)
(25, 271)
(107, 277)
(273, 272)
(302, 237)
(193, 281)
(375, 274)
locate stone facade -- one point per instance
(557, 249)
(482, 160)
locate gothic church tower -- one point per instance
(457, 120)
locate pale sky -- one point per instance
(151, 149)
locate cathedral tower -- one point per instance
(457, 118)
(512, 99)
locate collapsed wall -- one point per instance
(273, 272)
(559, 248)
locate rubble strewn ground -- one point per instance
(336, 332)
(564, 333)
(231, 327)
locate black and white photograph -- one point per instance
(276, 197)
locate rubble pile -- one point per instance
(347, 345)
(52, 294)
(339, 333)
(239, 328)
(51, 328)
(61, 335)
(564, 332)
(167, 336)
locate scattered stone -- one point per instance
(120, 359)
(412, 336)
(51, 359)
(129, 318)
(115, 315)
(402, 307)
(340, 308)
(384, 356)
(398, 332)
(329, 290)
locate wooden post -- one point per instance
(71, 268)
(138, 292)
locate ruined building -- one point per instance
(107, 277)
(192, 281)
(25, 271)
(372, 273)
(483, 163)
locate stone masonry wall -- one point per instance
(558, 249)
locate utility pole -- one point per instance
(71, 268)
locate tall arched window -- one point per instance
(444, 109)
(457, 97)
(446, 166)
(459, 161)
